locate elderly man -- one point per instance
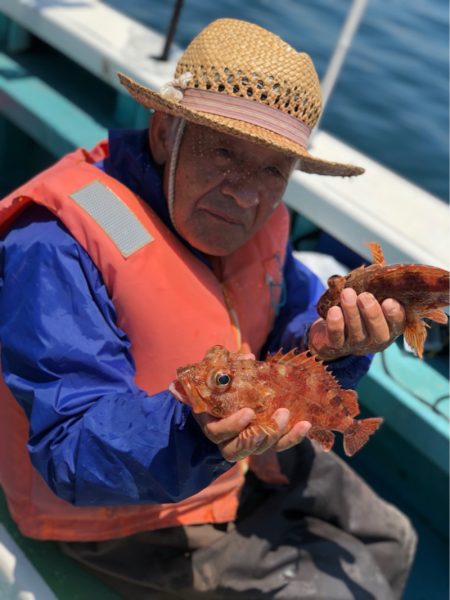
(122, 264)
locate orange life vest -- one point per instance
(152, 279)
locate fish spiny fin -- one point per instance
(415, 335)
(275, 357)
(295, 360)
(306, 362)
(435, 314)
(312, 364)
(377, 253)
(323, 436)
(358, 434)
(288, 357)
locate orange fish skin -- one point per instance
(417, 287)
(221, 384)
(421, 289)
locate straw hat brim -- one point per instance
(242, 129)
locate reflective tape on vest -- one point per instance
(114, 217)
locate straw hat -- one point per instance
(241, 79)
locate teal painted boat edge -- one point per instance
(409, 454)
(52, 119)
(412, 418)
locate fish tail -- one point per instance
(358, 434)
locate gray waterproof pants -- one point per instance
(326, 536)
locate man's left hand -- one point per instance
(361, 325)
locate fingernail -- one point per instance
(257, 439)
(348, 295)
(390, 306)
(282, 418)
(305, 428)
(367, 299)
(334, 313)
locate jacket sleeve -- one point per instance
(95, 437)
(302, 290)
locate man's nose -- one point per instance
(244, 191)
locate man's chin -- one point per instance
(215, 246)
(214, 249)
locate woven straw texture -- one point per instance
(241, 59)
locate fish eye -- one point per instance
(222, 379)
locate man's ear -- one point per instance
(160, 136)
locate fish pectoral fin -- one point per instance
(268, 430)
(415, 335)
(256, 430)
(249, 432)
(358, 434)
(436, 314)
(377, 253)
(324, 437)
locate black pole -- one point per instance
(171, 31)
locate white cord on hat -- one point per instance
(173, 167)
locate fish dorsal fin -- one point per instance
(292, 358)
(277, 357)
(306, 361)
(377, 253)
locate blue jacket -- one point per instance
(95, 437)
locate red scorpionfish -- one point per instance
(223, 383)
(421, 289)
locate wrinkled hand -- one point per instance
(361, 326)
(229, 433)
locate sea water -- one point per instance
(391, 99)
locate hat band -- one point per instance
(249, 111)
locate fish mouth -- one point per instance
(188, 392)
(183, 370)
(182, 383)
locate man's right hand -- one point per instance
(229, 433)
(230, 436)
